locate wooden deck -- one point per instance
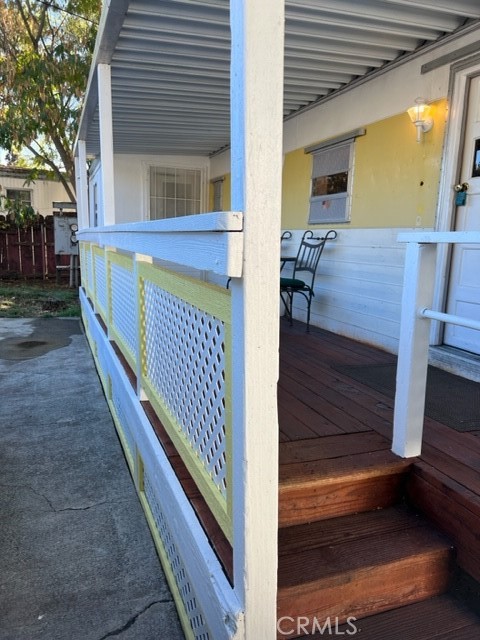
(335, 461)
(356, 534)
(327, 415)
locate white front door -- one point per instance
(464, 286)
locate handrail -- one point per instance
(206, 242)
(417, 312)
(451, 319)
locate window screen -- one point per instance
(329, 196)
(174, 192)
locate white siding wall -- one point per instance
(44, 192)
(131, 181)
(358, 287)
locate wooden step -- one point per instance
(359, 565)
(447, 498)
(321, 488)
(440, 618)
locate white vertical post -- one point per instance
(106, 142)
(82, 185)
(413, 346)
(256, 143)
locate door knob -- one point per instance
(461, 187)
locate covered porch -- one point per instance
(182, 311)
(353, 513)
(342, 494)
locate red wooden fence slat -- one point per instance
(30, 253)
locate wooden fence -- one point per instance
(30, 252)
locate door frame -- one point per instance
(459, 84)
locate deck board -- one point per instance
(446, 479)
(311, 359)
(440, 618)
(327, 418)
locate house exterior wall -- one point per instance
(396, 184)
(395, 188)
(395, 180)
(44, 192)
(132, 186)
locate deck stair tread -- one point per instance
(325, 488)
(442, 617)
(369, 463)
(361, 564)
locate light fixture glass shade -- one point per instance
(420, 115)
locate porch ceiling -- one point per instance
(170, 62)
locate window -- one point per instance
(329, 198)
(217, 194)
(175, 192)
(22, 196)
(332, 179)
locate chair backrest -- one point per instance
(308, 256)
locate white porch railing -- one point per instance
(174, 331)
(418, 293)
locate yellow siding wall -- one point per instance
(395, 181)
(297, 172)
(226, 194)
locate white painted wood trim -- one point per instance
(219, 252)
(438, 237)
(216, 597)
(106, 142)
(256, 143)
(82, 184)
(218, 221)
(412, 363)
(459, 79)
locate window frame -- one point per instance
(20, 190)
(324, 148)
(174, 166)
(217, 184)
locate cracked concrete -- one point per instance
(77, 561)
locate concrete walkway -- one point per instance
(77, 561)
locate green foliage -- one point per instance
(45, 56)
(18, 213)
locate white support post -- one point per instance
(256, 143)
(106, 142)
(82, 185)
(418, 287)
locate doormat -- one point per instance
(450, 399)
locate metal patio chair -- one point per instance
(304, 271)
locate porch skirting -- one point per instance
(207, 604)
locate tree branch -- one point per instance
(55, 169)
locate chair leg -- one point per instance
(290, 309)
(309, 302)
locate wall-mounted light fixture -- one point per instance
(421, 118)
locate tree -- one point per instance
(45, 55)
